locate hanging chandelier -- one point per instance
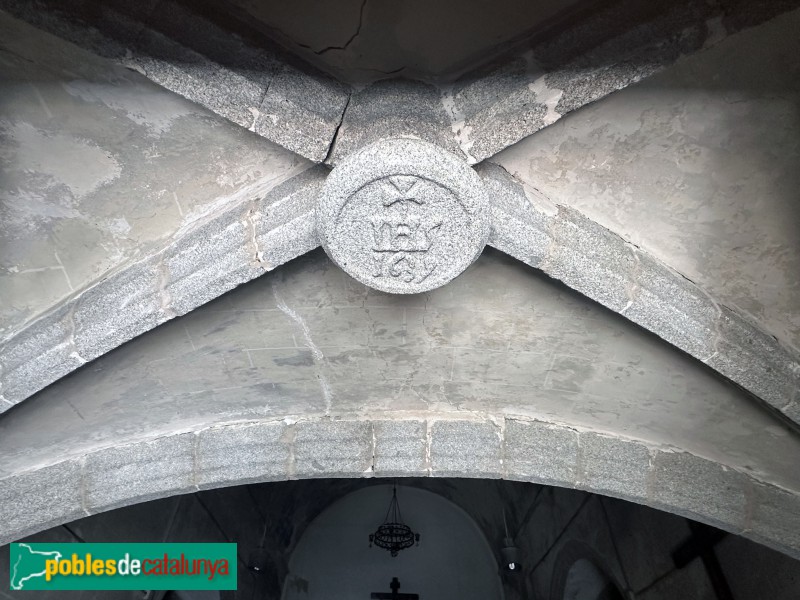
(393, 535)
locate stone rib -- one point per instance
(255, 88)
(260, 228)
(601, 265)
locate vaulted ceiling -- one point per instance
(158, 155)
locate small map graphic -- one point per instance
(29, 564)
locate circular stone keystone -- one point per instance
(403, 216)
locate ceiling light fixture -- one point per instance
(393, 535)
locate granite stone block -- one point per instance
(519, 228)
(400, 448)
(36, 500)
(36, 356)
(755, 360)
(302, 111)
(591, 259)
(241, 453)
(326, 448)
(403, 216)
(394, 108)
(541, 452)
(465, 448)
(775, 518)
(614, 466)
(138, 472)
(673, 307)
(699, 488)
(209, 260)
(121, 307)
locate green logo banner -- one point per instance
(123, 566)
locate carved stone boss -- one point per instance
(403, 216)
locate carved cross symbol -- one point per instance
(395, 595)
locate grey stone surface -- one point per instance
(465, 449)
(209, 260)
(241, 453)
(493, 110)
(720, 498)
(305, 345)
(591, 260)
(39, 499)
(518, 228)
(541, 452)
(612, 465)
(261, 227)
(257, 65)
(390, 109)
(127, 304)
(196, 78)
(302, 112)
(40, 354)
(141, 471)
(284, 224)
(673, 307)
(772, 371)
(774, 513)
(326, 448)
(403, 216)
(400, 448)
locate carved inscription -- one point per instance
(403, 234)
(402, 216)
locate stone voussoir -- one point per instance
(518, 229)
(40, 499)
(332, 448)
(400, 448)
(123, 306)
(614, 465)
(591, 260)
(38, 355)
(241, 453)
(465, 448)
(704, 490)
(541, 452)
(756, 361)
(139, 472)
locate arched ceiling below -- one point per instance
(505, 372)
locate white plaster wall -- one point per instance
(333, 559)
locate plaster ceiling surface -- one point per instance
(306, 341)
(698, 166)
(99, 165)
(364, 40)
